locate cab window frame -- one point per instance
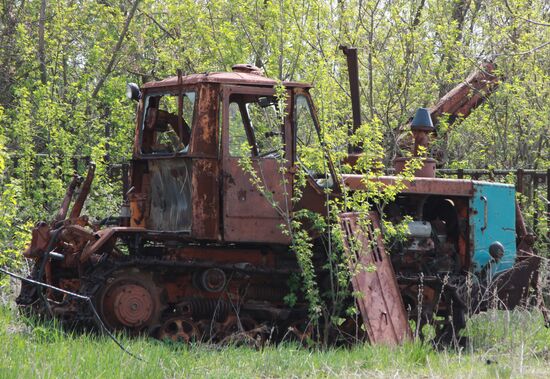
(227, 92)
(299, 92)
(175, 93)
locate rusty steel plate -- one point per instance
(374, 282)
(240, 78)
(432, 186)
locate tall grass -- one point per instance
(502, 344)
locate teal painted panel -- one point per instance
(493, 218)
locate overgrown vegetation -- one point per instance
(502, 345)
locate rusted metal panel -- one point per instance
(138, 209)
(224, 78)
(432, 186)
(206, 180)
(373, 278)
(466, 96)
(170, 200)
(206, 205)
(204, 141)
(313, 198)
(248, 215)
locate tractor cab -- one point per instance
(215, 155)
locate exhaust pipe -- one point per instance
(353, 72)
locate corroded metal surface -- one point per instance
(131, 300)
(224, 78)
(374, 281)
(432, 186)
(206, 199)
(84, 192)
(171, 189)
(248, 215)
(468, 95)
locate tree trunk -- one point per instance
(41, 43)
(460, 8)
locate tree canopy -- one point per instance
(64, 66)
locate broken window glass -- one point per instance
(309, 152)
(255, 127)
(167, 123)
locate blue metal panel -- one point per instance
(493, 218)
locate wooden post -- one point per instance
(519, 180)
(125, 182)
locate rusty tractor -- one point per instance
(198, 252)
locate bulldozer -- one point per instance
(199, 253)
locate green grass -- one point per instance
(502, 345)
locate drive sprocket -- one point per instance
(129, 301)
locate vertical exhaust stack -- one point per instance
(353, 72)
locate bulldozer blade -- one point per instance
(374, 283)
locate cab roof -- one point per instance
(237, 78)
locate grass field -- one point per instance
(502, 345)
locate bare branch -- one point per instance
(523, 18)
(118, 45)
(525, 52)
(158, 24)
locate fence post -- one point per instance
(460, 173)
(125, 182)
(519, 181)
